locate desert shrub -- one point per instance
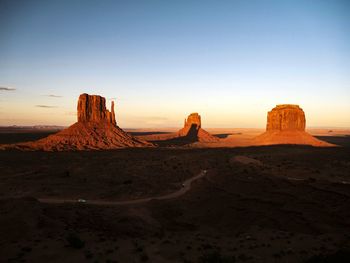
(216, 257)
(75, 241)
(88, 254)
(144, 257)
(127, 181)
(340, 256)
(109, 251)
(26, 249)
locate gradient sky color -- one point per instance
(231, 61)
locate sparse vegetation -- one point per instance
(216, 257)
(74, 241)
(340, 256)
(144, 257)
(88, 254)
(225, 214)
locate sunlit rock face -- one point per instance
(92, 108)
(193, 118)
(96, 129)
(192, 123)
(286, 125)
(193, 131)
(286, 117)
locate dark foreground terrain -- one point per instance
(256, 204)
(24, 134)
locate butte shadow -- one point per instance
(286, 125)
(191, 132)
(96, 129)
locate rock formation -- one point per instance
(286, 125)
(192, 130)
(190, 133)
(193, 122)
(286, 117)
(96, 129)
(92, 108)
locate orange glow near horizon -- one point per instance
(229, 113)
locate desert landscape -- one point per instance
(174, 131)
(93, 192)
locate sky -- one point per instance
(230, 61)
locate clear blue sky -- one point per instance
(231, 61)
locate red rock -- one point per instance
(192, 128)
(204, 136)
(190, 133)
(96, 129)
(93, 108)
(193, 122)
(286, 125)
(86, 136)
(286, 117)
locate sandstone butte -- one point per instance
(286, 125)
(191, 132)
(96, 129)
(193, 129)
(92, 108)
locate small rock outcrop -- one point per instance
(96, 129)
(286, 117)
(286, 125)
(192, 130)
(193, 122)
(93, 108)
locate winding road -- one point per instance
(186, 186)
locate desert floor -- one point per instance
(254, 204)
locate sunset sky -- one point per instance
(231, 61)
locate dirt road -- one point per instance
(186, 186)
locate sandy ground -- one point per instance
(241, 137)
(254, 204)
(230, 137)
(184, 188)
